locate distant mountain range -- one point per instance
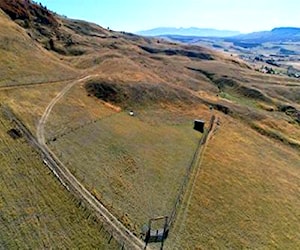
(282, 34)
(193, 31)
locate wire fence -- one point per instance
(193, 164)
(113, 237)
(189, 169)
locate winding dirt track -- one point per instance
(42, 121)
(125, 237)
(117, 229)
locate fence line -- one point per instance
(98, 218)
(192, 165)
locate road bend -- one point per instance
(124, 236)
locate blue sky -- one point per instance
(136, 15)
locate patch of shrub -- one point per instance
(27, 10)
(220, 107)
(209, 75)
(253, 93)
(178, 52)
(290, 111)
(224, 82)
(138, 93)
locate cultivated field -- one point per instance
(36, 210)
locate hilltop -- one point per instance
(117, 110)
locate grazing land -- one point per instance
(128, 159)
(124, 128)
(36, 211)
(244, 197)
(22, 61)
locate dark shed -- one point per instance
(199, 125)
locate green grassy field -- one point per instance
(36, 212)
(134, 165)
(246, 195)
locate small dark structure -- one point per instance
(15, 133)
(157, 235)
(199, 125)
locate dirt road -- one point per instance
(118, 230)
(42, 121)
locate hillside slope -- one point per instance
(136, 164)
(245, 196)
(23, 61)
(36, 211)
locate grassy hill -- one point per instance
(36, 211)
(23, 61)
(246, 194)
(247, 188)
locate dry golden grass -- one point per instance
(247, 193)
(30, 102)
(296, 65)
(283, 125)
(23, 61)
(75, 110)
(134, 164)
(246, 196)
(36, 210)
